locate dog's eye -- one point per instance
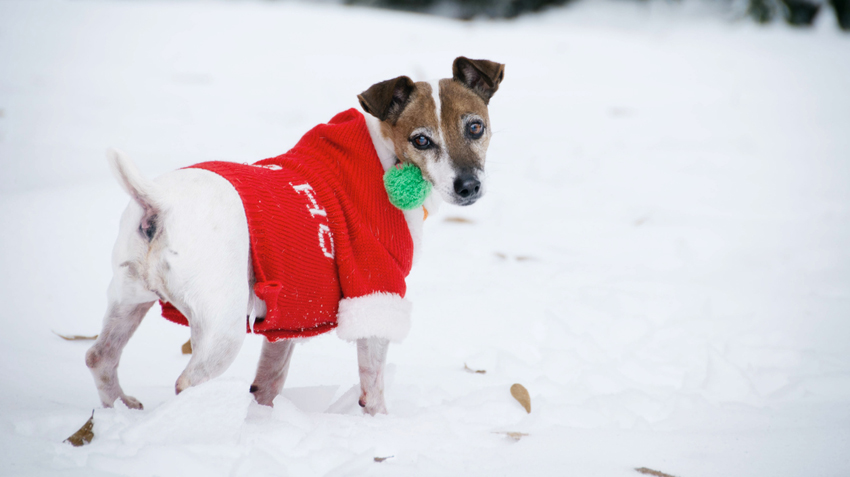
(475, 129)
(421, 142)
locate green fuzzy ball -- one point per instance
(406, 187)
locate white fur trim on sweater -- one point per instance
(384, 315)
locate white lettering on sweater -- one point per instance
(271, 167)
(326, 238)
(308, 191)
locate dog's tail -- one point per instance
(144, 191)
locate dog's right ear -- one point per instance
(387, 99)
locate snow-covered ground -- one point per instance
(662, 257)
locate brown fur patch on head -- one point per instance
(459, 105)
(420, 112)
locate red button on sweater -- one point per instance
(323, 230)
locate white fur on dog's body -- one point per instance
(184, 239)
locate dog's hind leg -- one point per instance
(372, 358)
(128, 301)
(122, 319)
(206, 268)
(217, 325)
(272, 370)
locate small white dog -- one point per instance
(306, 242)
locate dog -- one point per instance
(209, 243)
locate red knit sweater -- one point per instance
(321, 228)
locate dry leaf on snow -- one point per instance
(513, 435)
(519, 393)
(458, 220)
(475, 371)
(381, 459)
(518, 258)
(84, 435)
(644, 470)
(187, 347)
(75, 337)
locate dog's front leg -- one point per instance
(372, 357)
(272, 370)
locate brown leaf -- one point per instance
(187, 347)
(513, 435)
(381, 459)
(84, 435)
(519, 393)
(74, 337)
(644, 470)
(458, 220)
(518, 258)
(475, 371)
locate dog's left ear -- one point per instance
(481, 76)
(387, 99)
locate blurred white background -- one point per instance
(661, 258)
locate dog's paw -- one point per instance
(263, 395)
(183, 383)
(132, 402)
(372, 404)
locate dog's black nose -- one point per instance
(467, 186)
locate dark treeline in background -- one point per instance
(795, 12)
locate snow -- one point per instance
(661, 258)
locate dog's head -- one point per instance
(442, 127)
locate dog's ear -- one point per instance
(481, 76)
(387, 99)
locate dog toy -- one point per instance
(405, 186)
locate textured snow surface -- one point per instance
(661, 257)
